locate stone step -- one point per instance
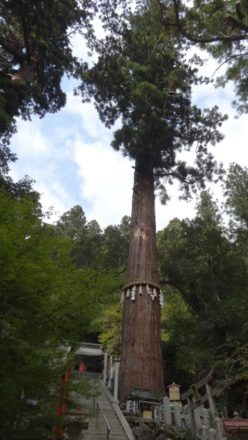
(98, 430)
(101, 435)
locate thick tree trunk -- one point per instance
(141, 360)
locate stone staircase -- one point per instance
(105, 419)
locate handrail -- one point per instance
(125, 426)
(98, 405)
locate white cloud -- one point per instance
(54, 196)
(37, 145)
(91, 124)
(29, 140)
(175, 207)
(79, 46)
(106, 181)
(234, 147)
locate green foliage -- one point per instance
(49, 298)
(47, 302)
(25, 288)
(178, 433)
(115, 245)
(86, 237)
(236, 192)
(204, 317)
(85, 387)
(72, 223)
(107, 250)
(201, 240)
(142, 78)
(176, 316)
(221, 27)
(108, 324)
(35, 54)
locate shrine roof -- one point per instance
(143, 394)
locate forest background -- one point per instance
(66, 278)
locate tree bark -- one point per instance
(141, 359)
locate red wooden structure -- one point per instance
(236, 429)
(58, 432)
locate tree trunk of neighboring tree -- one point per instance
(141, 359)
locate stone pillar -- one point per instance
(178, 415)
(210, 401)
(167, 410)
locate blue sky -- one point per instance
(69, 156)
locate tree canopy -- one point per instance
(204, 269)
(49, 300)
(141, 76)
(220, 27)
(35, 53)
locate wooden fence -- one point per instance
(189, 413)
(199, 421)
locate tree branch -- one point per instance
(232, 37)
(176, 175)
(227, 60)
(15, 53)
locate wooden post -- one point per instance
(116, 378)
(110, 372)
(105, 366)
(210, 401)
